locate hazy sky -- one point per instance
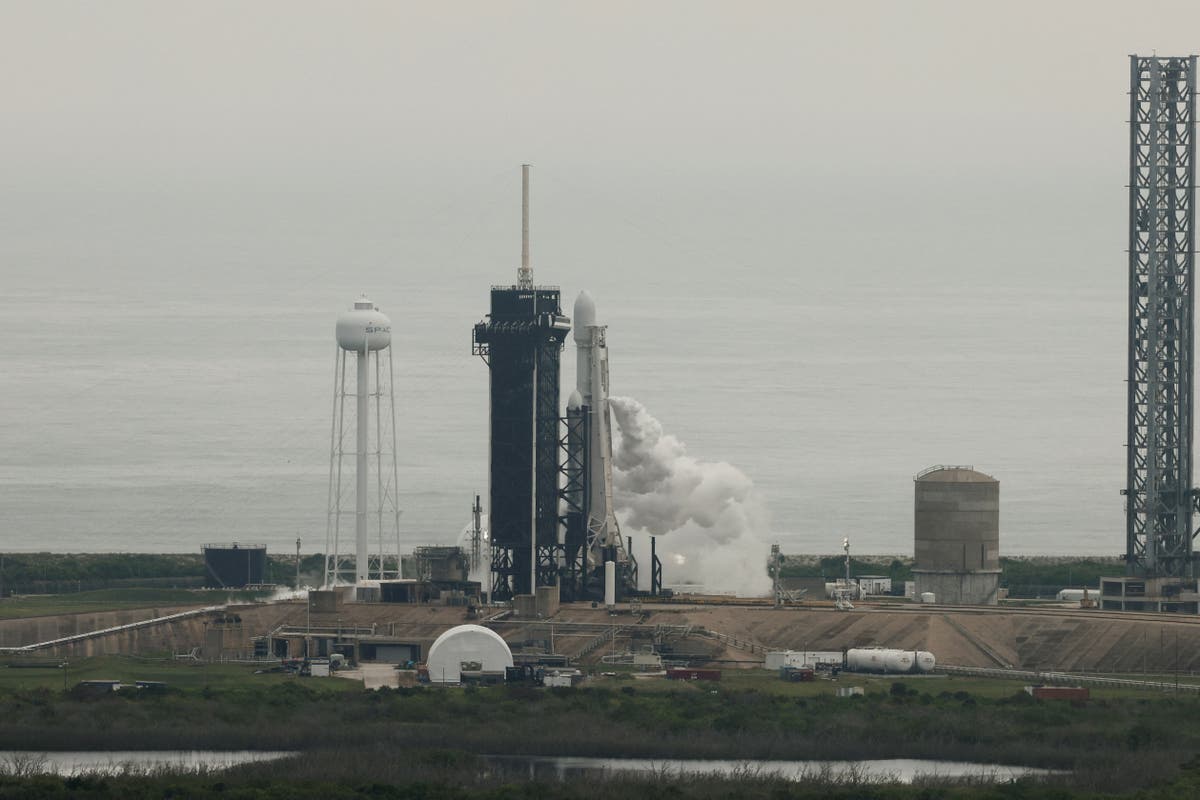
(116, 93)
(835, 243)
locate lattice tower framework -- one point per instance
(1160, 499)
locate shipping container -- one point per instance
(797, 675)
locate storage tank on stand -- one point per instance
(957, 535)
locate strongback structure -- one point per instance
(521, 341)
(1159, 496)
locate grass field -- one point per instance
(1122, 740)
(44, 605)
(185, 674)
(176, 674)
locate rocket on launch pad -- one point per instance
(597, 536)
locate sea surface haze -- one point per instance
(168, 352)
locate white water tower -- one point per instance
(362, 442)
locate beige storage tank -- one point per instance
(956, 526)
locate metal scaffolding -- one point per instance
(1160, 499)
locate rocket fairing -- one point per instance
(591, 382)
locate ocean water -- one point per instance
(166, 354)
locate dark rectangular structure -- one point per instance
(521, 341)
(235, 566)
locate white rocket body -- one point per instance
(591, 381)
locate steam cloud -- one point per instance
(716, 519)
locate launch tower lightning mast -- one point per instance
(1160, 499)
(521, 341)
(366, 333)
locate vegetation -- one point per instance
(34, 573)
(116, 600)
(1121, 741)
(1024, 577)
(834, 567)
(40, 673)
(41, 573)
(1044, 577)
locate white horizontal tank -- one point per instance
(364, 328)
(898, 661)
(889, 661)
(865, 660)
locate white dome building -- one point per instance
(472, 644)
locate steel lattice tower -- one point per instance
(1162, 149)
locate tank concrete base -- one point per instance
(960, 588)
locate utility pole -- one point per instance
(297, 563)
(776, 561)
(846, 547)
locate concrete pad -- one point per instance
(372, 676)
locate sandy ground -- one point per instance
(1069, 641)
(373, 676)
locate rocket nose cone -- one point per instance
(585, 315)
(575, 400)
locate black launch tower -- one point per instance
(521, 341)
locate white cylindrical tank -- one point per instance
(610, 584)
(466, 643)
(364, 328)
(888, 661)
(865, 660)
(898, 661)
(928, 597)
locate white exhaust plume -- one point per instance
(717, 520)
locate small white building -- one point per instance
(802, 659)
(874, 584)
(562, 679)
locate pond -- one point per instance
(117, 761)
(560, 768)
(895, 770)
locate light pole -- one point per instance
(846, 547)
